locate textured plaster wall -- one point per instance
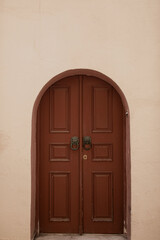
(41, 38)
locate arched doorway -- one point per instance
(82, 101)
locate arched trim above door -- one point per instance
(127, 167)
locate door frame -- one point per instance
(34, 152)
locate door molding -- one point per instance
(126, 139)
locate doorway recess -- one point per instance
(83, 73)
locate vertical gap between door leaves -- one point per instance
(80, 156)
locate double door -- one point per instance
(81, 157)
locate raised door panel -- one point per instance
(102, 109)
(102, 196)
(59, 152)
(60, 191)
(102, 152)
(59, 109)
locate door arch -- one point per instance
(126, 148)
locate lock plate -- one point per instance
(85, 157)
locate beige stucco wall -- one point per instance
(41, 38)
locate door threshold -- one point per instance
(70, 236)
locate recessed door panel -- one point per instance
(81, 157)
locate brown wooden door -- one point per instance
(76, 194)
(103, 169)
(59, 166)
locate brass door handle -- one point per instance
(74, 143)
(87, 143)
